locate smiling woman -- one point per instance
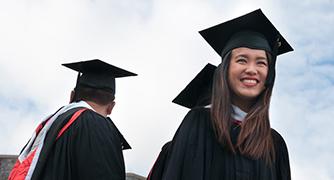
(231, 138)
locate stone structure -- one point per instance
(132, 176)
(8, 161)
(6, 164)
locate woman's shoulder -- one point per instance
(198, 113)
(278, 139)
(194, 125)
(199, 110)
(276, 135)
(196, 117)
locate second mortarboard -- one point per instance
(198, 91)
(98, 74)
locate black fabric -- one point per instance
(98, 74)
(159, 165)
(219, 35)
(198, 91)
(249, 39)
(89, 149)
(195, 154)
(124, 144)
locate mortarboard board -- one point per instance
(98, 74)
(198, 91)
(252, 30)
(221, 35)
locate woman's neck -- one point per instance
(244, 104)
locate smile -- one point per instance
(249, 82)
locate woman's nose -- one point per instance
(251, 69)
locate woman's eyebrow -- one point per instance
(241, 55)
(262, 58)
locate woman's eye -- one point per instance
(263, 63)
(241, 61)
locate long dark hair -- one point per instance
(254, 139)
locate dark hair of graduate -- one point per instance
(255, 139)
(98, 96)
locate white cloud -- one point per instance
(159, 40)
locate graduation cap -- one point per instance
(98, 74)
(198, 91)
(252, 30)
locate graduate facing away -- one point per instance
(79, 141)
(227, 135)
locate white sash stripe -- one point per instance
(43, 133)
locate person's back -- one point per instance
(89, 149)
(79, 141)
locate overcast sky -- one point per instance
(159, 40)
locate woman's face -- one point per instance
(247, 73)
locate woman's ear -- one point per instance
(110, 107)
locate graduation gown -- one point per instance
(91, 148)
(196, 154)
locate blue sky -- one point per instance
(159, 40)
